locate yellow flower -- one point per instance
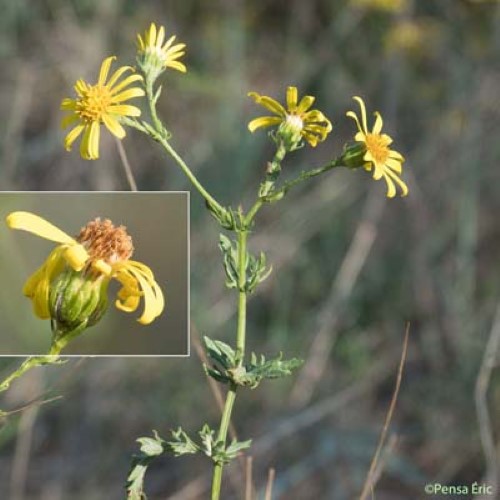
(156, 55)
(384, 161)
(101, 251)
(297, 120)
(97, 104)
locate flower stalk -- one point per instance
(51, 358)
(161, 135)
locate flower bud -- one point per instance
(353, 155)
(154, 55)
(77, 300)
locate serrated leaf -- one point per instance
(229, 260)
(182, 444)
(216, 375)
(258, 369)
(151, 446)
(135, 482)
(226, 350)
(236, 446)
(220, 352)
(207, 436)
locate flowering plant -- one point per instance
(292, 126)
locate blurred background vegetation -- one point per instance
(350, 268)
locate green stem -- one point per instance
(240, 355)
(273, 171)
(223, 429)
(242, 296)
(28, 364)
(152, 106)
(308, 174)
(253, 212)
(162, 135)
(189, 174)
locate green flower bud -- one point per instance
(353, 155)
(77, 300)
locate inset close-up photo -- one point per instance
(104, 274)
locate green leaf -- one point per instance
(256, 271)
(229, 260)
(135, 481)
(236, 446)
(225, 455)
(208, 441)
(151, 447)
(258, 369)
(182, 444)
(220, 352)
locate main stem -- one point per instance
(240, 355)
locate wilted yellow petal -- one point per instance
(27, 221)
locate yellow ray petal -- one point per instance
(68, 104)
(38, 284)
(394, 165)
(269, 103)
(127, 302)
(72, 136)
(125, 83)
(152, 34)
(69, 120)
(124, 110)
(103, 73)
(175, 51)
(95, 132)
(291, 98)
(118, 73)
(176, 65)
(397, 156)
(363, 113)
(160, 37)
(26, 221)
(140, 43)
(85, 144)
(391, 188)
(113, 126)
(310, 138)
(76, 256)
(352, 114)
(305, 103)
(169, 43)
(398, 180)
(153, 296)
(127, 94)
(377, 127)
(263, 121)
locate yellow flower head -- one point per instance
(97, 104)
(100, 252)
(297, 119)
(384, 161)
(155, 56)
